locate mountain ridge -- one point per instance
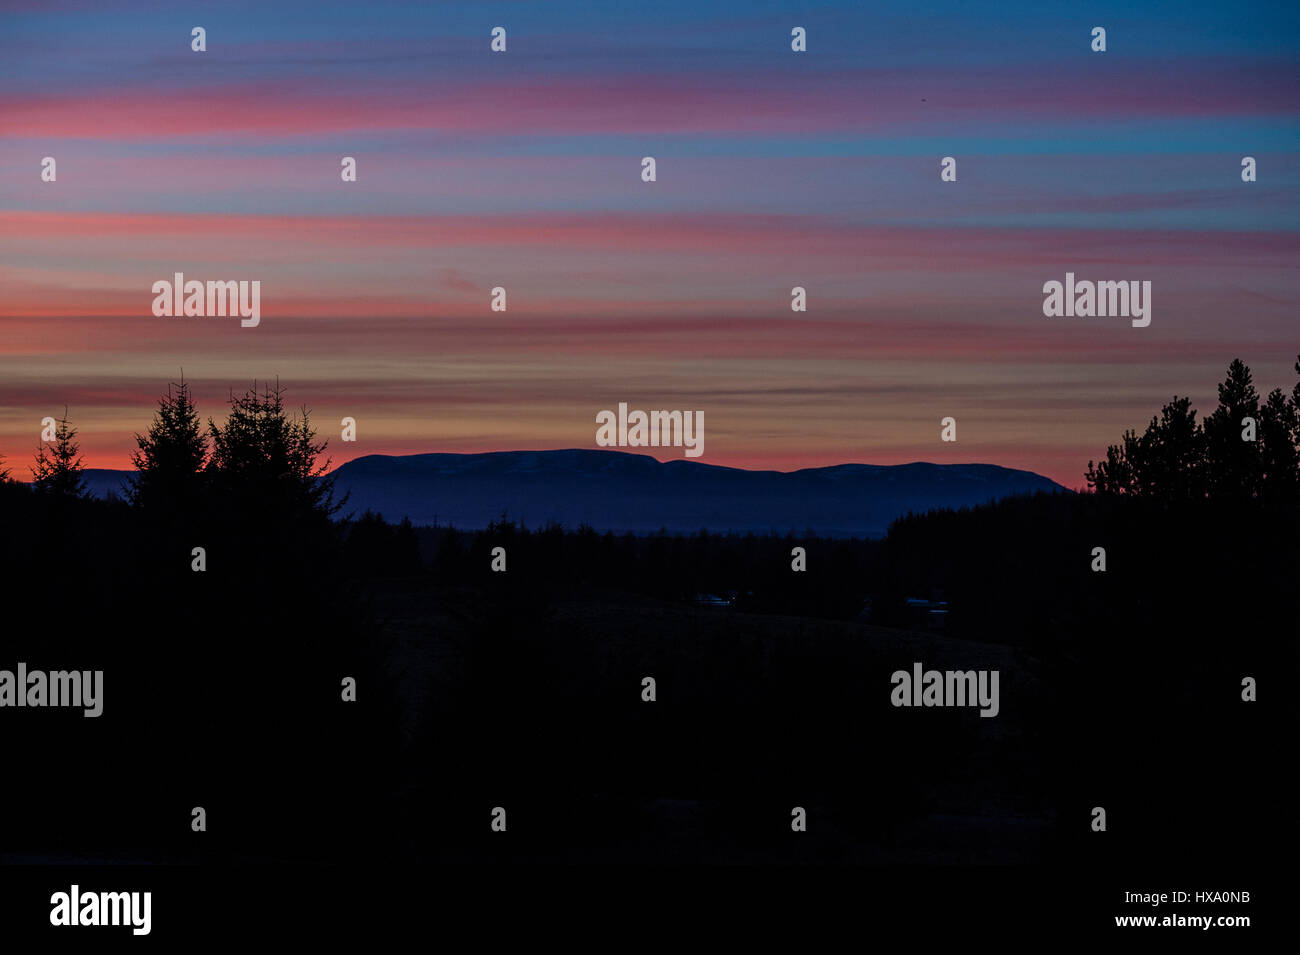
(625, 492)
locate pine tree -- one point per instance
(58, 471)
(1295, 403)
(1115, 475)
(1177, 459)
(268, 460)
(1279, 424)
(1173, 459)
(1166, 461)
(1233, 466)
(171, 456)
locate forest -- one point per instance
(474, 690)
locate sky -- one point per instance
(522, 170)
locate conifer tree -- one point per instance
(1279, 424)
(1178, 459)
(58, 468)
(1233, 466)
(269, 460)
(171, 456)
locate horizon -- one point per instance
(334, 466)
(622, 492)
(520, 170)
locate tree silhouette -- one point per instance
(1176, 459)
(58, 471)
(1167, 460)
(264, 457)
(1233, 465)
(1279, 441)
(1115, 475)
(375, 548)
(4, 471)
(171, 457)
(1295, 396)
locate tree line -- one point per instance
(260, 452)
(229, 680)
(1245, 449)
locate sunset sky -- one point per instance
(775, 169)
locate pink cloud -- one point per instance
(697, 102)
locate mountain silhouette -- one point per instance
(618, 491)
